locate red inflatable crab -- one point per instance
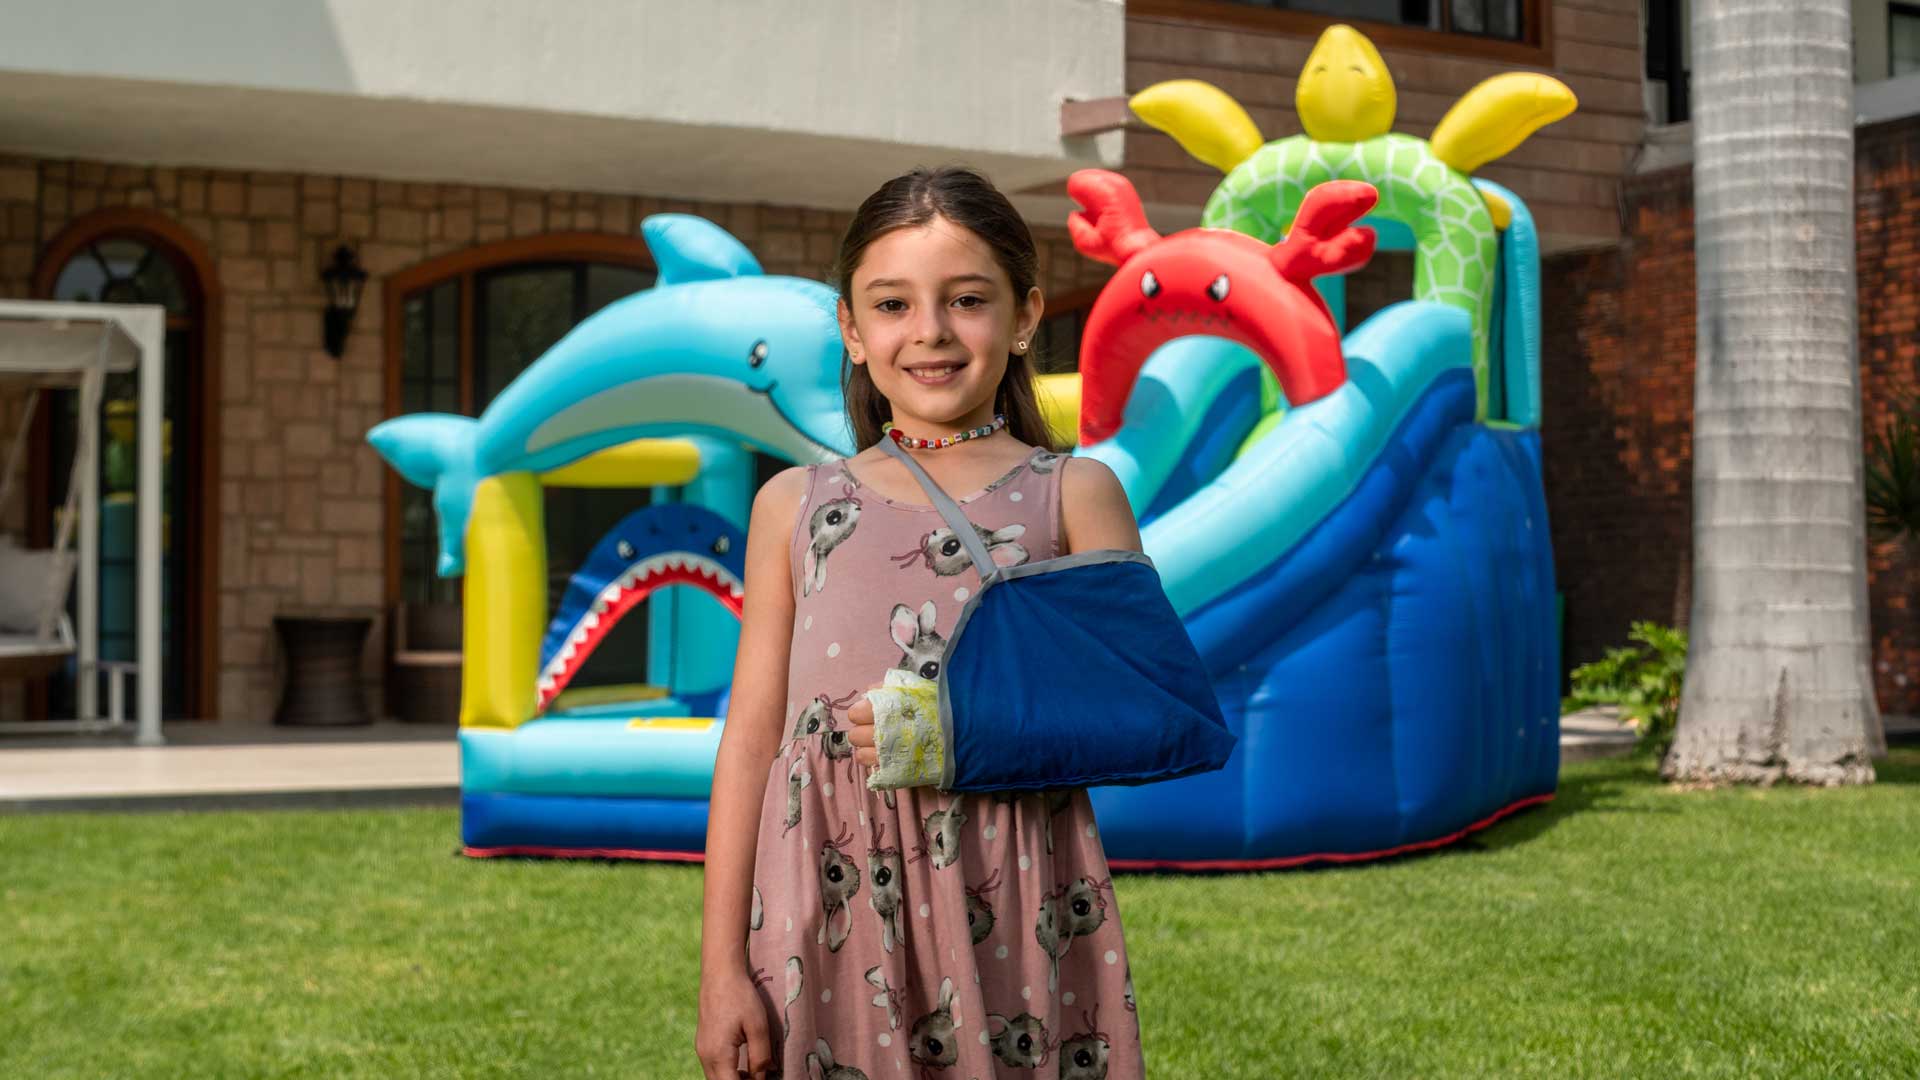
(1215, 282)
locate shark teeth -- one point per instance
(594, 620)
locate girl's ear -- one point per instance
(1028, 322)
(849, 333)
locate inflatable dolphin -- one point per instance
(679, 358)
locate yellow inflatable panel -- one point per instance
(673, 723)
(1202, 118)
(640, 463)
(1059, 397)
(506, 602)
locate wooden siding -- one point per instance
(1569, 173)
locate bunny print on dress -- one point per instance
(942, 552)
(839, 881)
(885, 872)
(935, 1040)
(1021, 1042)
(831, 524)
(820, 1065)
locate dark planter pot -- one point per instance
(323, 670)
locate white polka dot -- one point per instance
(1066, 998)
(807, 623)
(1112, 956)
(990, 831)
(1089, 824)
(1026, 863)
(1000, 953)
(826, 995)
(827, 789)
(886, 1039)
(984, 1037)
(1015, 497)
(961, 593)
(833, 649)
(925, 911)
(1026, 993)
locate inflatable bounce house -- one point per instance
(1350, 521)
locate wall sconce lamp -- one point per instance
(343, 280)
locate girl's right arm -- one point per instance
(731, 1013)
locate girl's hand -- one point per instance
(732, 1015)
(861, 733)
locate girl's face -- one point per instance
(933, 316)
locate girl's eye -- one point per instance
(891, 307)
(970, 301)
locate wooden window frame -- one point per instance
(467, 266)
(1534, 49)
(1897, 7)
(200, 696)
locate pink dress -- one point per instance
(916, 933)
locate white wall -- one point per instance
(618, 94)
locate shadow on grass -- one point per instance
(1586, 791)
(1902, 763)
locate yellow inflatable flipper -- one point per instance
(1200, 116)
(1491, 119)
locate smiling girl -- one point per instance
(854, 934)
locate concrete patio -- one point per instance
(252, 766)
(234, 766)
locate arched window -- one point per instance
(463, 327)
(139, 257)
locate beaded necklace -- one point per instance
(911, 443)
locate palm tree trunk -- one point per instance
(1777, 680)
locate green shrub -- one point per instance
(1644, 680)
(1893, 475)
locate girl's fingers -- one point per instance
(867, 756)
(860, 735)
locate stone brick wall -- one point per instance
(1618, 389)
(300, 494)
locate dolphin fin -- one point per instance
(688, 248)
(435, 451)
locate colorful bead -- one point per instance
(911, 443)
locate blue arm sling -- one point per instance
(1073, 671)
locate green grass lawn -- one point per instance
(1623, 930)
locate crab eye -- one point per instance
(757, 355)
(1149, 285)
(1218, 289)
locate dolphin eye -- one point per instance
(624, 549)
(1218, 290)
(757, 355)
(1149, 285)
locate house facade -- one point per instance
(490, 175)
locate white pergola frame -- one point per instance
(68, 340)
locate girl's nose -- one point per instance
(932, 328)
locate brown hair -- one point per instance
(970, 201)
